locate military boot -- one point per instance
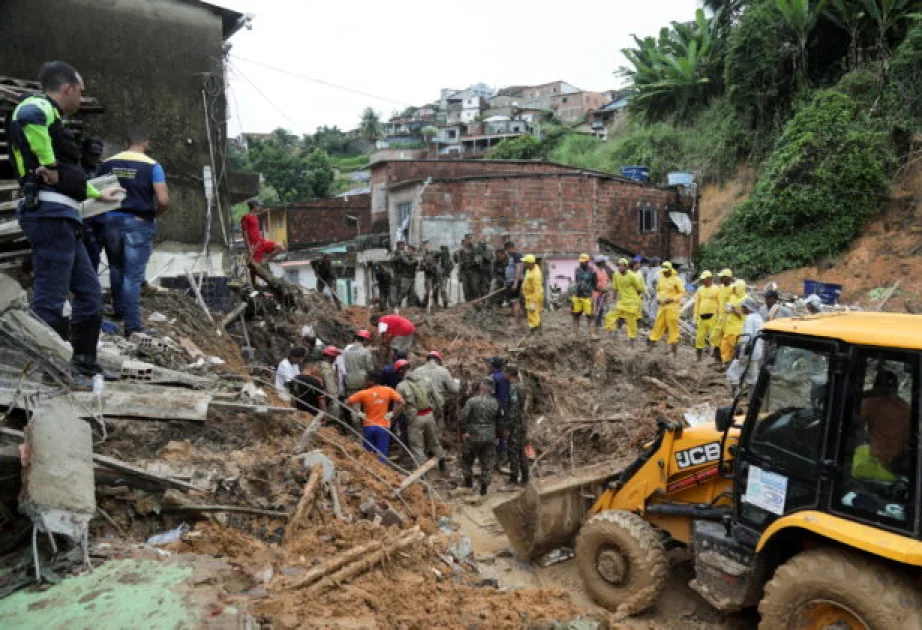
(483, 489)
(468, 483)
(443, 466)
(513, 479)
(717, 356)
(699, 353)
(524, 479)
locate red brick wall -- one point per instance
(403, 170)
(324, 220)
(555, 214)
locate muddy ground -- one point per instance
(593, 398)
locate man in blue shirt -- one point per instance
(131, 228)
(46, 159)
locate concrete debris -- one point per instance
(149, 401)
(58, 491)
(381, 512)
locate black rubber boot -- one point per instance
(717, 355)
(84, 337)
(468, 483)
(513, 479)
(524, 477)
(483, 489)
(62, 327)
(675, 349)
(699, 354)
(443, 466)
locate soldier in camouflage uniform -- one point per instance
(405, 272)
(484, 267)
(515, 427)
(468, 269)
(478, 432)
(432, 272)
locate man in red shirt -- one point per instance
(372, 405)
(259, 248)
(396, 329)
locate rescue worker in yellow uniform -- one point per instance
(630, 287)
(707, 308)
(669, 292)
(725, 288)
(533, 293)
(733, 326)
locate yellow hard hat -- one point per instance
(584, 258)
(623, 261)
(740, 286)
(706, 274)
(528, 258)
(667, 265)
(725, 273)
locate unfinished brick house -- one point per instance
(547, 208)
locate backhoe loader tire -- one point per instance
(623, 543)
(813, 588)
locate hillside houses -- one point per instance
(472, 121)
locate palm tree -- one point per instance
(849, 16)
(370, 125)
(800, 19)
(886, 14)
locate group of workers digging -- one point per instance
(410, 403)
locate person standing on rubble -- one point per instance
(733, 325)
(725, 279)
(479, 420)
(405, 272)
(355, 363)
(327, 372)
(498, 275)
(372, 404)
(446, 265)
(533, 293)
(421, 400)
(630, 289)
(466, 258)
(513, 281)
(484, 258)
(46, 161)
(773, 308)
(444, 383)
(385, 279)
(288, 368)
(259, 249)
(707, 307)
(515, 427)
(600, 296)
(323, 270)
(669, 292)
(584, 282)
(501, 393)
(390, 377)
(432, 276)
(130, 228)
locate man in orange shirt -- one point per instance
(371, 405)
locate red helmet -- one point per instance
(364, 334)
(331, 351)
(434, 354)
(399, 365)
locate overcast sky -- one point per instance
(402, 52)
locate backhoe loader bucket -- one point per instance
(549, 512)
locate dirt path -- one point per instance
(678, 608)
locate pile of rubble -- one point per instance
(182, 454)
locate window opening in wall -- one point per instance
(647, 219)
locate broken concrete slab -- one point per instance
(58, 485)
(123, 400)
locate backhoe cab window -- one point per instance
(790, 418)
(879, 440)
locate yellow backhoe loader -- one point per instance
(808, 503)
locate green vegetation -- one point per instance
(822, 97)
(824, 180)
(370, 125)
(350, 164)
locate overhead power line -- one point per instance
(322, 82)
(268, 100)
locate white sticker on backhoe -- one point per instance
(766, 490)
